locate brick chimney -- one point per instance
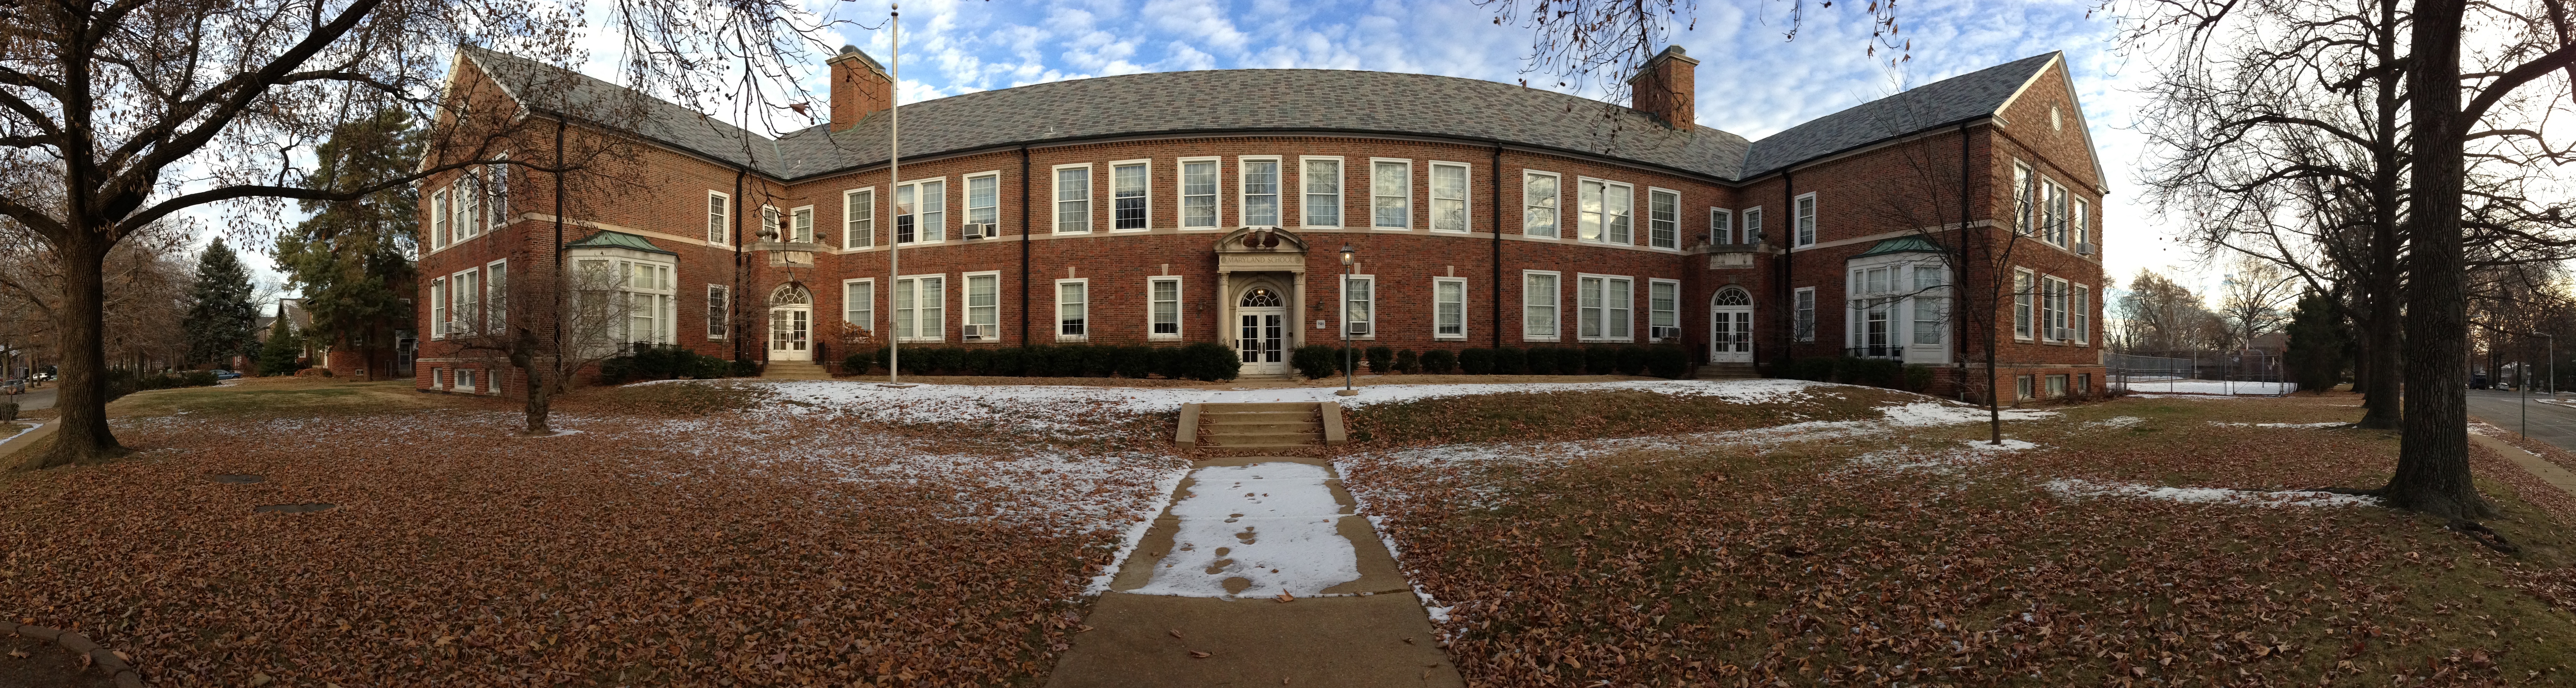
(860, 87)
(1664, 88)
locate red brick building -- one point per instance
(1214, 206)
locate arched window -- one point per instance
(790, 295)
(1732, 296)
(1260, 297)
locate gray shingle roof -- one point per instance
(1940, 103)
(1287, 100)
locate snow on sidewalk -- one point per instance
(1271, 525)
(2078, 488)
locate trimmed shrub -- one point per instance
(978, 361)
(1918, 377)
(1541, 361)
(862, 363)
(1208, 361)
(1062, 360)
(1407, 362)
(1875, 372)
(8, 410)
(1133, 361)
(1439, 362)
(1569, 360)
(1099, 360)
(1010, 361)
(1632, 360)
(664, 362)
(744, 367)
(1317, 361)
(1511, 360)
(1381, 359)
(1476, 361)
(1600, 359)
(1669, 362)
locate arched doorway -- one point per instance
(1730, 326)
(1262, 330)
(791, 324)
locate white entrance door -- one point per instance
(1730, 327)
(1261, 332)
(791, 333)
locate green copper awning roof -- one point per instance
(608, 239)
(1907, 244)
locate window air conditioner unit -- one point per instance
(2083, 248)
(1359, 329)
(973, 332)
(980, 230)
(1663, 331)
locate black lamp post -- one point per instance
(1350, 267)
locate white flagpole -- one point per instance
(894, 175)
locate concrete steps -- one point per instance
(1260, 427)
(1727, 371)
(795, 370)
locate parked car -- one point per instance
(226, 375)
(13, 387)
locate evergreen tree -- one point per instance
(277, 357)
(2318, 343)
(221, 320)
(352, 259)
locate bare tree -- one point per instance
(550, 325)
(2158, 315)
(2253, 300)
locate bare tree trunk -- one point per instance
(80, 329)
(2380, 371)
(523, 355)
(2433, 463)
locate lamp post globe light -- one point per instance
(1350, 314)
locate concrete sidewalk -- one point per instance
(1367, 630)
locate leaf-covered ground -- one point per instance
(1905, 555)
(680, 536)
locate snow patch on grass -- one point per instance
(2116, 422)
(1930, 413)
(2337, 424)
(2074, 488)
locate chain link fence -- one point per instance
(2201, 372)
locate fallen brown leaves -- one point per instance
(1740, 566)
(659, 547)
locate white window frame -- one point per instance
(966, 305)
(1937, 298)
(859, 227)
(1554, 303)
(1341, 204)
(863, 310)
(1721, 226)
(1672, 313)
(2079, 313)
(1061, 304)
(468, 379)
(1243, 191)
(772, 220)
(1674, 241)
(2080, 223)
(1804, 227)
(719, 218)
(1802, 314)
(800, 224)
(1407, 196)
(1609, 190)
(1554, 208)
(465, 307)
(1625, 304)
(1148, 218)
(1461, 334)
(2025, 201)
(438, 308)
(469, 206)
(921, 231)
(1180, 311)
(1466, 196)
(939, 301)
(967, 194)
(438, 219)
(1056, 190)
(1342, 306)
(496, 297)
(2058, 210)
(2025, 309)
(1749, 225)
(719, 312)
(1181, 191)
(2052, 309)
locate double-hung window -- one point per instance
(1930, 299)
(859, 218)
(2052, 309)
(438, 222)
(920, 308)
(2058, 219)
(1163, 308)
(650, 306)
(719, 309)
(438, 308)
(921, 212)
(2025, 201)
(1130, 195)
(1391, 194)
(1602, 308)
(1721, 226)
(469, 203)
(465, 311)
(1604, 211)
(1359, 305)
(1539, 204)
(1073, 199)
(1663, 309)
(1539, 299)
(496, 297)
(1072, 309)
(2079, 314)
(1872, 313)
(1663, 219)
(496, 196)
(1448, 197)
(1260, 191)
(800, 225)
(1198, 194)
(1321, 189)
(2024, 302)
(983, 307)
(984, 199)
(1806, 219)
(2081, 219)
(1448, 308)
(859, 304)
(1802, 323)
(1753, 225)
(719, 218)
(771, 225)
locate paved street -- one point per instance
(37, 399)
(2549, 422)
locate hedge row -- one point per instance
(1321, 361)
(1199, 361)
(1875, 372)
(670, 362)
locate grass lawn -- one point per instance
(1907, 556)
(683, 535)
